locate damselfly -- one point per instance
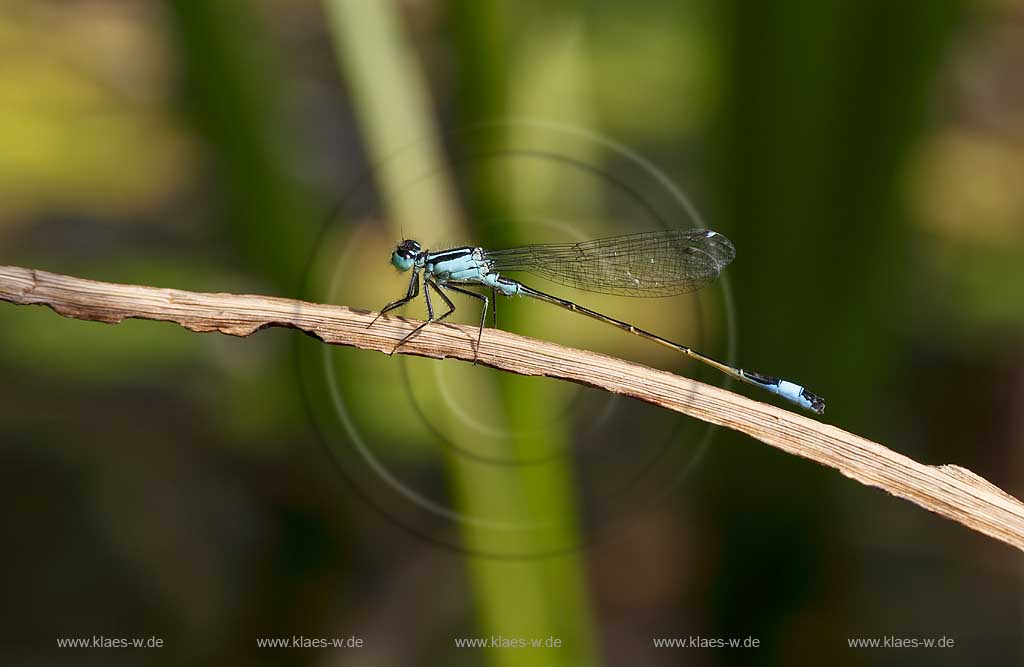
(661, 263)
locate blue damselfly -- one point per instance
(660, 263)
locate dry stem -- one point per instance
(953, 492)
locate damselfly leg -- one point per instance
(483, 315)
(412, 293)
(430, 314)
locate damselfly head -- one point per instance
(405, 254)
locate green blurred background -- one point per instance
(866, 158)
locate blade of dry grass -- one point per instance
(948, 490)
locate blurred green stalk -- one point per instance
(233, 92)
(823, 101)
(532, 597)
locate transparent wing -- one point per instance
(661, 263)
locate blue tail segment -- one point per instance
(786, 389)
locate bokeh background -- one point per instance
(866, 158)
